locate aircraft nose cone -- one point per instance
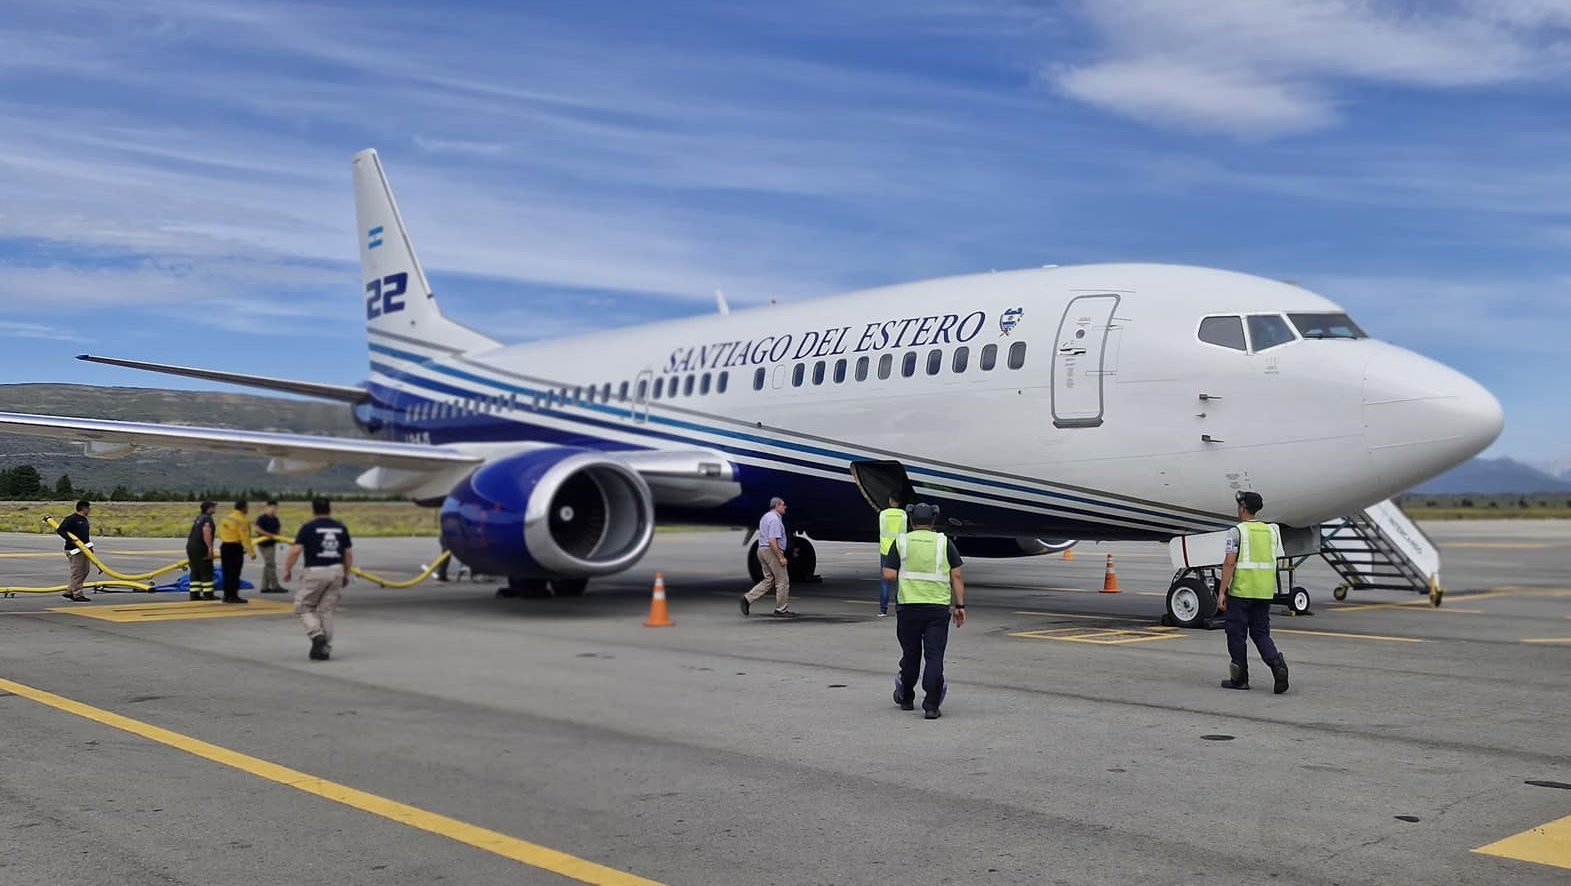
(1422, 418)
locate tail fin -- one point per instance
(398, 299)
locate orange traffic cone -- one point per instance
(658, 616)
(1110, 581)
(1069, 553)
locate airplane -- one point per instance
(1036, 407)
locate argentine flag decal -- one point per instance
(375, 235)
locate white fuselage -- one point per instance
(1118, 422)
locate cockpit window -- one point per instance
(1268, 331)
(1326, 326)
(1225, 331)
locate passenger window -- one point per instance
(840, 371)
(605, 393)
(1269, 330)
(885, 363)
(908, 364)
(989, 357)
(720, 383)
(659, 388)
(962, 354)
(935, 361)
(643, 389)
(861, 368)
(1017, 355)
(1227, 332)
(797, 372)
(578, 396)
(621, 392)
(818, 373)
(703, 384)
(535, 403)
(758, 378)
(687, 387)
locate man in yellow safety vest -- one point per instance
(927, 567)
(891, 525)
(1249, 577)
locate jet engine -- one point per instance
(996, 548)
(561, 512)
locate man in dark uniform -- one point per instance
(77, 525)
(199, 550)
(268, 526)
(1248, 586)
(927, 567)
(328, 558)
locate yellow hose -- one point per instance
(92, 585)
(373, 577)
(139, 577)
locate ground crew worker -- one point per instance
(77, 525)
(234, 536)
(772, 556)
(200, 551)
(1249, 576)
(269, 526)
(891, 524)
(927, 567)
(326, 545)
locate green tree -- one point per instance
(24, 484)
(120, 493)
(64, 491)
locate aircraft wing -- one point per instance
(303, 448)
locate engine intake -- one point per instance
(550, 513)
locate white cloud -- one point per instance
(1270, 67)
(36, 330)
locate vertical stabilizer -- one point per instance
(396, 297)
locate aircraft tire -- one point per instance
(525, 588)
(569, 587)
(1190, 603)
(755, 569)
(802, 561)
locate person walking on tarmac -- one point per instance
(927, 567)
(77, 525)
(1249, 576)
(200, 551)
(269, 526)
(234, 536)
(772, 556)
(329, 557)
(891, 525)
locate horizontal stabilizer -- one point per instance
(341, 393)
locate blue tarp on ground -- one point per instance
(183, 583)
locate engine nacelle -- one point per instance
(998, 548)
(561, 512)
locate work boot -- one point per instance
(902, 700)
(209, 595)
(1279, 671)
(235, 599)
(1238, 676)
(930, 713)
(195, 596)
(319, 648)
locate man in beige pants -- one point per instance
(328, 558)
(772, 556)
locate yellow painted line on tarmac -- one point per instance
(1548, 640)
(146, 612)
(1100, 636)
(1276, 630)
(1504, 545)
(1078, 615)
(1548, 844)
(522, 851)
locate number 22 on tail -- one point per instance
(385, 296)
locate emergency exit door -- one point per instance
(1079, 361)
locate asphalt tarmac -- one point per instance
(459, 738)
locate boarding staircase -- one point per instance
(1381, 548)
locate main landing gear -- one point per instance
(801, 561)
(541, 588)
(1191, 598)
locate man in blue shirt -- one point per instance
(772, 556)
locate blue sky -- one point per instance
(174, 174)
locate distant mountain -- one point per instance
(1493, 476)
(169, 469)
(1560, 467)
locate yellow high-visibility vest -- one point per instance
(1254, 574)
(891, 523)
(924, 567)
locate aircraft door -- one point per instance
(878, 480)
(640, 409)
(1079, 361)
